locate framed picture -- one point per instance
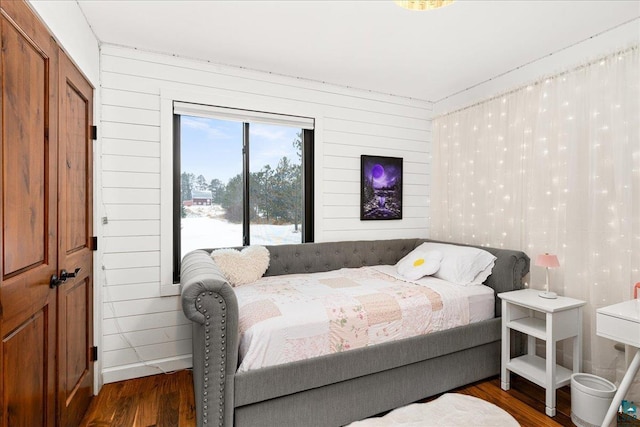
(380, 187)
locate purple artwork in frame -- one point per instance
(380, 187)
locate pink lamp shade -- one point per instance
(546, 260)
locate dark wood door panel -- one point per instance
(75, 298)
(24, 396)
(76, 370)
(46, 181)
(75, 163)
(28, 233)
(24, 165)
(77, 362)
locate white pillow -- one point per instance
(242, 267)
(418, 264)
(463, 265)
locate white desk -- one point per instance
(621, 322)
(550, 320)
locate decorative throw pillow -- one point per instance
(418, 264)
(463, 265)
(242, 267)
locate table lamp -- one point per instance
(547, 261)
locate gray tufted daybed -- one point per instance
(344, 387)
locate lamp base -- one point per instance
(548, 295)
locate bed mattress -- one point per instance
(295, 317)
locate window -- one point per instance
(240, 178)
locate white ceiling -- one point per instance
(373, 45)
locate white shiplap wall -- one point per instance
(144, 332)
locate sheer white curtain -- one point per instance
(552, 167)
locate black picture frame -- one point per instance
(380, 188)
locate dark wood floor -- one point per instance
(525, 401)
(167, 400)
(158, 401)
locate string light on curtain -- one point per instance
(553, 165)
(423, 4)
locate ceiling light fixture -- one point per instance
(423, 4)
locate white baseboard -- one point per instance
(150, 367)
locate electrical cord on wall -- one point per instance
(106, 292)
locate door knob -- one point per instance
(56, 281)
(64, 274)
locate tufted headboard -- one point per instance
(508, 273)
(315, 257)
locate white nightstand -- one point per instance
(550, 320)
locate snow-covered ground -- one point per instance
(205, 227)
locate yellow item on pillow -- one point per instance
(418, 264)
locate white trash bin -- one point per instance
(591, 397)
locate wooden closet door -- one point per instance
(28, 249)
(75, 295)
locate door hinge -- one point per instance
(94, 354)
(94, 132)
(94, 243)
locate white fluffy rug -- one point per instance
(450, 409)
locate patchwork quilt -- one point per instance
(295, 317)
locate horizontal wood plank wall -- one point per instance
(145, 333)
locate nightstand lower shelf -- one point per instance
(534, 369)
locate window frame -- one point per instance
(242, 100)
(307, 232)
